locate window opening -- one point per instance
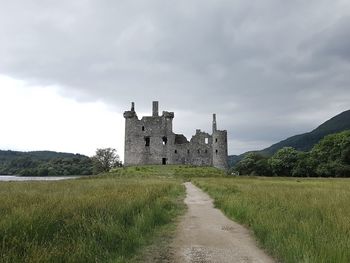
(143, 128)
(216, 151)
(188, 151)
(165, 140)
(175, 151)
(147, 141)
(216, 139)
(206, 140)
(206, 151)
(163, 161)
(199, 151)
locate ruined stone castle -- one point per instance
(151, 140)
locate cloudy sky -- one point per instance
(268, 68)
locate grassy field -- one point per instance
(103, 219)
(184, 172)
(113, 217)
(296, 220)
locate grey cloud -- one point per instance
(335, 41)
(260, 65)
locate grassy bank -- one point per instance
(89, 220)
(168, 171)
(295, 220)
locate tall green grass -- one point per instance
(90, 220)
(295, 220)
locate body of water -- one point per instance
(10, 178)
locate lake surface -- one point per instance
(10, 178)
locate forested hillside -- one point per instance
(328, 158)
(305, 141)
(44, 163)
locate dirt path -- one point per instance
(206, 235)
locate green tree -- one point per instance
(104, 160)
(334, 147)
(283, 161)
(263, 167)
(43, 171)
(254, 164)
(332, 155)
(305, 166)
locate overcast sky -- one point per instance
(268, 68)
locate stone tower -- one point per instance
(219, 147)
(151, 140)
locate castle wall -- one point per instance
(144, 142)
(201, 149)
(179, 154)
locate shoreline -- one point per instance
(17, 178)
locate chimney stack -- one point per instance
(155, 109)
(214, 123)
(132, 106)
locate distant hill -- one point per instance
(38, 155)
(43, 163)
(305, 141)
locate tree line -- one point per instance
(328, 158)
(64, 165)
